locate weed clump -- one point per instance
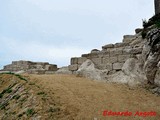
(153, 22)
(30, 112)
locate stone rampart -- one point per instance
(112, 56)
(30, 67)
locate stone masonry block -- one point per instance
(107, 60)
(95, 51)
(85, 55)
(123, 58)
(50, 67)
(117, 45)
(97, 60)
(117, 51)
(127, 51)
(117, 66)
(107, 66)
(73, 67)
(138, 30)
(81, 60)
(136, 50)
(128, 38)
(103, 54)
(93, 55)
(74, 60)
(108, 46)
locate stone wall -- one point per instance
(112, 56)
(157, 6)
(30, 67)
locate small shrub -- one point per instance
(153, 20)
(16, 97)
(1, 95)
(143, 34)
(21, 114)
(31, 83)
(10, 73)
(3, 106)
(54, 109)
(158, 24)
(9, 90)
(20, 77)
(30, 112)
(41, 93)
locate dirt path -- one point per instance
(83, 99)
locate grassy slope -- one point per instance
(64, 97)
(24, 100)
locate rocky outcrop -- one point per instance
(30, 67)
(153, 54)
(88, 70)
(63, 70)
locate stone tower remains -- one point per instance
(157, 6)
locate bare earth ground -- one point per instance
(83, 99)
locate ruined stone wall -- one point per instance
(30, 67)
(157, 6)
(112, 56)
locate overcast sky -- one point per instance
(56, 30)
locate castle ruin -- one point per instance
(30, 67)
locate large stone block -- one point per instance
(42, 63)
(123, 58)
(51, 67)
(85, 55)
(74, 60)
(138, 30)
(107, 66)
(103, 53)
(108, 46)
(81, 60)
(97, 60)
(128, 38)
(136, 41)
(107, 60)
(14, 62)
(93, 55)
(117, 66)
(73, 67)
(127, 51)
(117, 45)
(95, 51)
(116, 51)
(136, 50)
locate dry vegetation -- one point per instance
(66, 97)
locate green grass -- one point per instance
(17, 75)
(1, 95)
(8, 90)
(20, 77)
(155, 20)
(30, 112)
(3, 106)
